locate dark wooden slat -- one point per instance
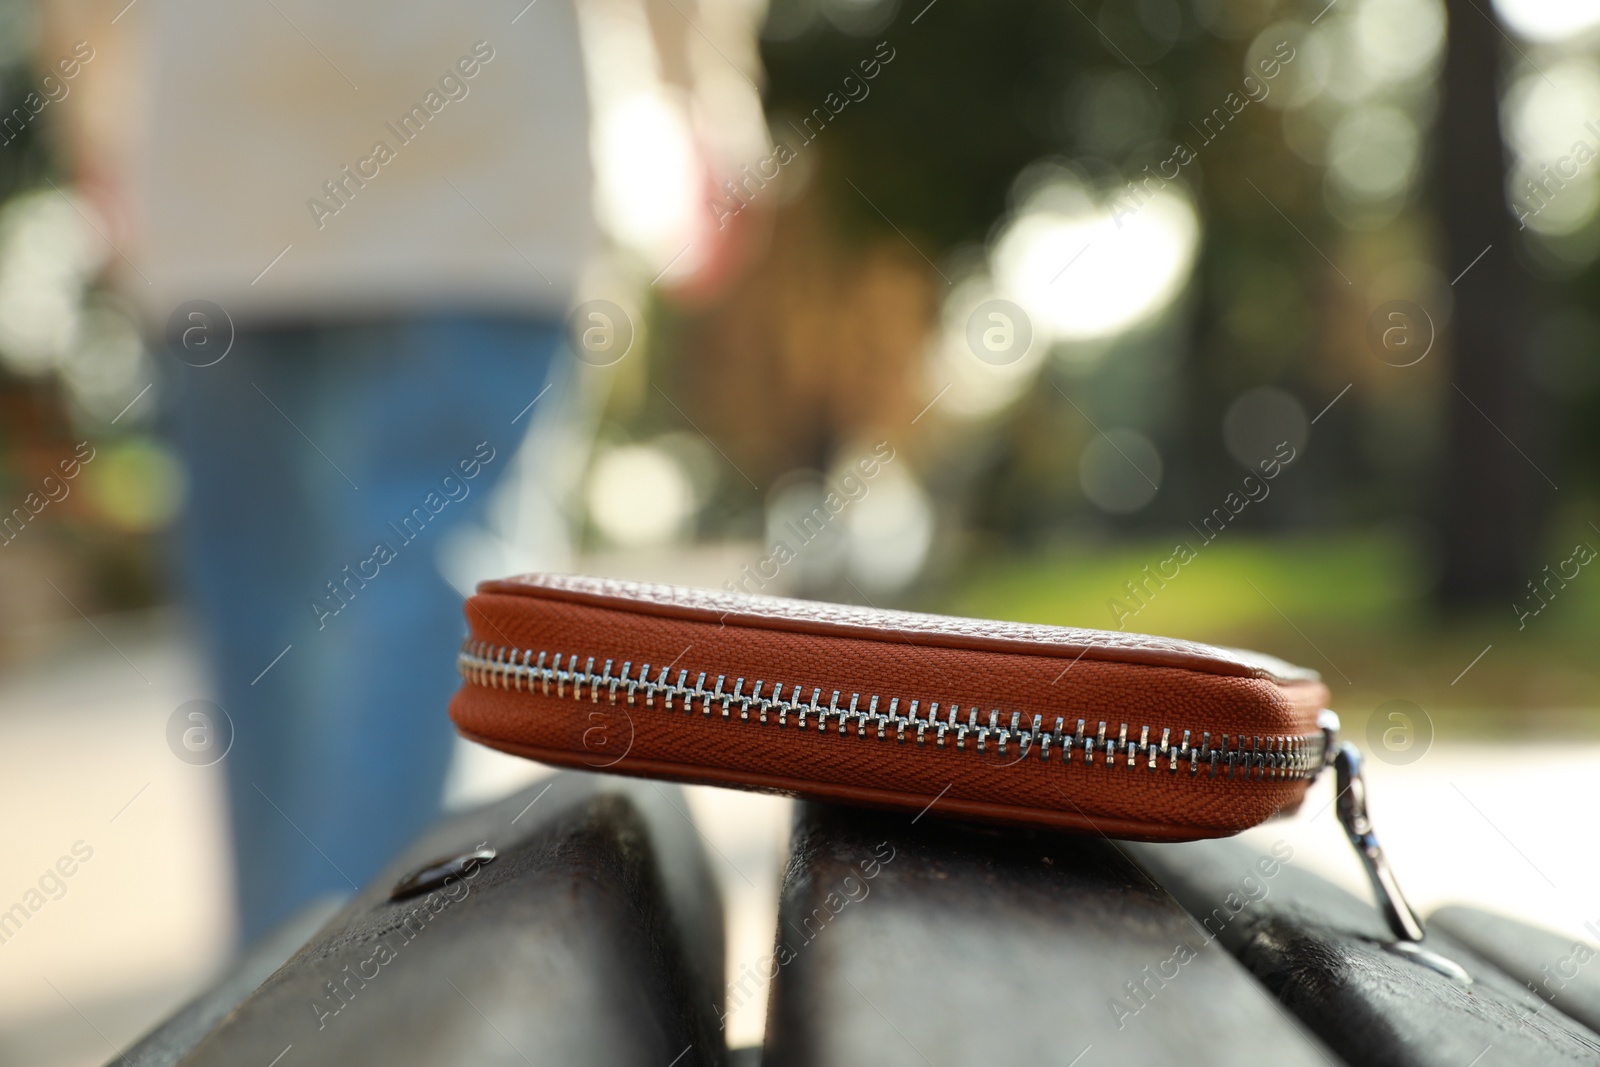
(1566, 973)
(904, 943)
(1322, 952)
(187, 1027)
(594, 937)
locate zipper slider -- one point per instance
(1351, 804)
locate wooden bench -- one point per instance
(595, 936)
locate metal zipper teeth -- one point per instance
(1272, 757)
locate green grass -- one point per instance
(1353, 607)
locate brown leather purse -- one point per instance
(1120, 734)
(1129, 735)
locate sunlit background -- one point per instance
(1158, 338)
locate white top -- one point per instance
(359, 158)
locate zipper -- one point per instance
(1290, 757)
(1279, 757)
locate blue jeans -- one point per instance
(325, 465)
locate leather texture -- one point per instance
(818, 617)
(1010, 668)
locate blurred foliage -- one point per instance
(974, 94)
(101, 542)
(949, 140)
(1352, 607)
(820, 342)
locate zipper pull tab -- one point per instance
(1351, 805)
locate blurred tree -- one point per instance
(897, 195)
(929, 163)
(31, 415)
(1493, 495)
